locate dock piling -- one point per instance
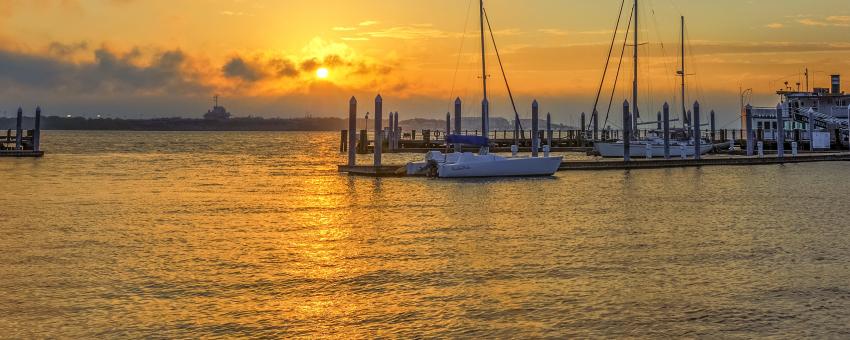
(780, 132)
(19, 130)
(697, 134)
(760, 145)
(398, 133)
(595, 125)
(713, 127)
(749, 129)
(666, 125)
(458, 118)
(811, 128)
(535, 141)
(658, 126)
(627, 134)
(36, 138)
(379, 107)
(549, 131)
(352, 134)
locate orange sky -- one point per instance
(166, 58)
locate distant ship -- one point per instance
(218, 112)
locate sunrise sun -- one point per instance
(322, 73)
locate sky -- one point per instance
(163, 58)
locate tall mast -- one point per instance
(483, 51)
(485, 114)
(635, 112)
(684, 113)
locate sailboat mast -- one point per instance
(484, 104)
(635, 113)
(684, 110)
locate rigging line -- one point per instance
(617, 75)
(504, 76)
(607, 60)
(459, 55)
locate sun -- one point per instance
(322, 73)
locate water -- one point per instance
(125, 234)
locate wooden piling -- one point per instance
(627, 136)
(666, 126)
(748, 125)
(697, 134)
(19, 130)
(713, 127)
(379, 108)
(549, 131)
(36, 137)
(352, 128)
(780, 132)
(595, 125)
(535, 143)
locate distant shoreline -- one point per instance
(180, 124)
(235, 124)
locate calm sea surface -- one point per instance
(140, 234)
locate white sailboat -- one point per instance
(484, 164)
(680, 143)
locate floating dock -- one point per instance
(636, 164)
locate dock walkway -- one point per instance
(598, 165)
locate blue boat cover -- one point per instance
(468, 140)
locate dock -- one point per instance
(635, 164)
(23, 143)
(393, 139)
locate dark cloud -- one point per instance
(284, 67)
(310, 65)
(62, 49)
(108, 73)
(237, 67)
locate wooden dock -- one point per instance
(685, 163)
(21, 153)
(600, 165)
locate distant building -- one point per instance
(217, 112)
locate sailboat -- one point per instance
(483, 164)
(653, 145)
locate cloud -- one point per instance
(109, 72)
(64, 50)
(409, 33)
(775, 25)
(237, 67)
(553, 31)
(344, 29)
(834, 21)
(368, 23)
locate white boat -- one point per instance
(471, 165)
(458, 165)
(637, 149)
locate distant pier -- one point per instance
(24, 142)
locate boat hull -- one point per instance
(501, 167)
(639, 150)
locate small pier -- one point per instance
(23, 143)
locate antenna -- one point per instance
(215, 100)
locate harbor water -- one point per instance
(212, 234)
